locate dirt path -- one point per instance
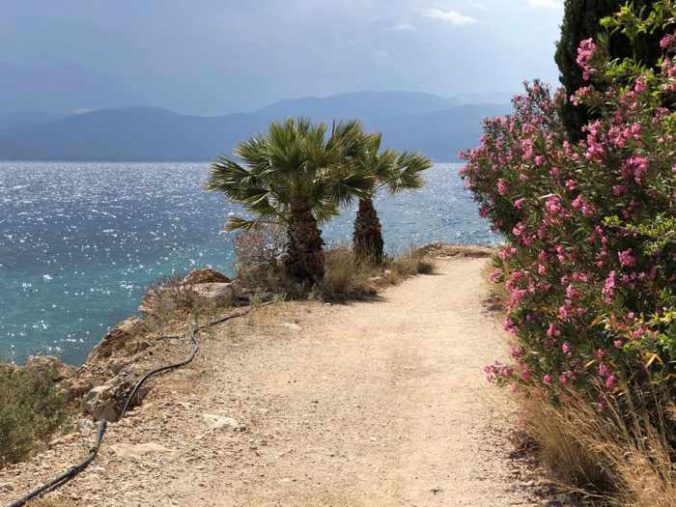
(380, 403)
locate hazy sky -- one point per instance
(218, 56)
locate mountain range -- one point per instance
(436, 126)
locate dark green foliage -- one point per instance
(296, 176)
(582, 20)
(31, 408)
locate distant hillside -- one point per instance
(426, 123)
(366, 104)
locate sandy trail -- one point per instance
(377, 403)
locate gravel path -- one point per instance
(376, 403)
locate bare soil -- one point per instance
(374, 403)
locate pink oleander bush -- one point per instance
(590, 227)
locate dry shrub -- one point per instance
(260, 252)
(345, 277)
(170, 299)
(31, 409)
(409, 264)
(606, 458)
(259, 259)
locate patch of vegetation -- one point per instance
(299, 174)
(31, 409)
(611, 459)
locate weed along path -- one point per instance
(375, 403)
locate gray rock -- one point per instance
(216, 294)
(219, 422)
(107, 401)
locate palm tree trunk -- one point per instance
(368, 237)
(304, 260)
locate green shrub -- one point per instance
(31, 409)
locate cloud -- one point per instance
(450, 16)
(403, 27)
(547, 4)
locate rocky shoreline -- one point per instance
(100, 386)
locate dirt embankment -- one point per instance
(373, 403)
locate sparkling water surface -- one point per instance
(79, 242)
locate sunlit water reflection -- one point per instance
(80, 241)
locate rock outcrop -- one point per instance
(200, 276)
(118, 338)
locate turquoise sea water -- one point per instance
(79, 242)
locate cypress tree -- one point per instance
(581, 20)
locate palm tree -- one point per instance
(389, 170)
(295, 175)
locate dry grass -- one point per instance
(603, 457)
(346, 278)
(169, 300)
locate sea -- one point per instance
(80, 242)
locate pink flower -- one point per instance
(553, 205)
(547, 380)
(610, 381)
(627, 258)
(585, 53)
(518, 204)
(635, 167)
(516, 351)
(495, 276)
(639, 86)
(620, 189)
(565, 347)
(510, 327)
(618, 344)
(502, 187)
(553, 331)
(609, 288)
(572, 292)
(519, 229)
(667, 41)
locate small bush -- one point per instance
(259, 254)
(409, 264)
(168, 300)
(31, 409)
(345, 277)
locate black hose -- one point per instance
(156, 371)
(73, 471)
(68, 474)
